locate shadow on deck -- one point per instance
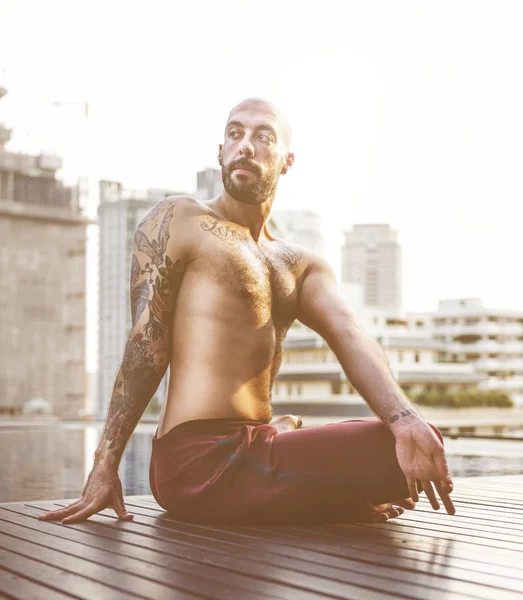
(423, 554)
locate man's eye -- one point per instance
(234, 134)
(263, 137)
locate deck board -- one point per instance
(423, 555)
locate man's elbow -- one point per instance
(345, 332)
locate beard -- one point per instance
(254, 189)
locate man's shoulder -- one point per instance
(305, 256)
(172, 212)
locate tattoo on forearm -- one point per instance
(403, 413)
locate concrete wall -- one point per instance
(42, 312)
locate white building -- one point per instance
(489, 339)
(312, 383)
(371, 256)
(119, 213)
(208, 184)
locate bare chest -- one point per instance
(263, 281)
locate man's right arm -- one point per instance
(157, 266)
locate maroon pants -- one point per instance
(232, 471)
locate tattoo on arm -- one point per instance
(155, 282)
(403, 413)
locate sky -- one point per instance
(404, 112)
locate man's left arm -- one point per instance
(420, 453)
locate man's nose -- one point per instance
(247, 148)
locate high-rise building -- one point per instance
(119, 213)
(301, 227)
(371, 256)
(209, 184)
(42, 294)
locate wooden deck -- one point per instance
(424, 554)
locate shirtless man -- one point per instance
(213, 295)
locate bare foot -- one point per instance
(380, 513)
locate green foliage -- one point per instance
(463, 399)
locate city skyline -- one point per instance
(422, 133)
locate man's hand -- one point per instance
(102, 490)
(421, 456)
(286, 423)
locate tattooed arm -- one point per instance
(156, 273)
(420, 453)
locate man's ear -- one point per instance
(289, 161)
(220, 154)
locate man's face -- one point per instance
(253, 154)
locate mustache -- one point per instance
(243, 164)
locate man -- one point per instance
(213, 294)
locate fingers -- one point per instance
(81, 515)
(444, 483)
(413, 489)
(445, 498)
(443, 471)
(120, 510)
(61, 512)
(429, 491)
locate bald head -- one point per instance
(271, 110)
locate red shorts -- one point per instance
(237, 471)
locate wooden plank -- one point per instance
(367, 537)
(239, 563)
(406, 558)
(473, 577)
(59, 579)
(388, 543)
(499, 581)
(348, 576)
(177, 573)
(96, 571)
(479, 513)
(475, 535)
(15, 587)
(422, 555)
(461, 522)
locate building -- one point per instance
(209, 184)
(301, 227)
(371, 256)
(42, 295)
(489, 339)
(312, 383)
(119, 213)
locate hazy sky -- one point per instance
(404, 112)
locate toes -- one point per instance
(407, 503)
(381, 517)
